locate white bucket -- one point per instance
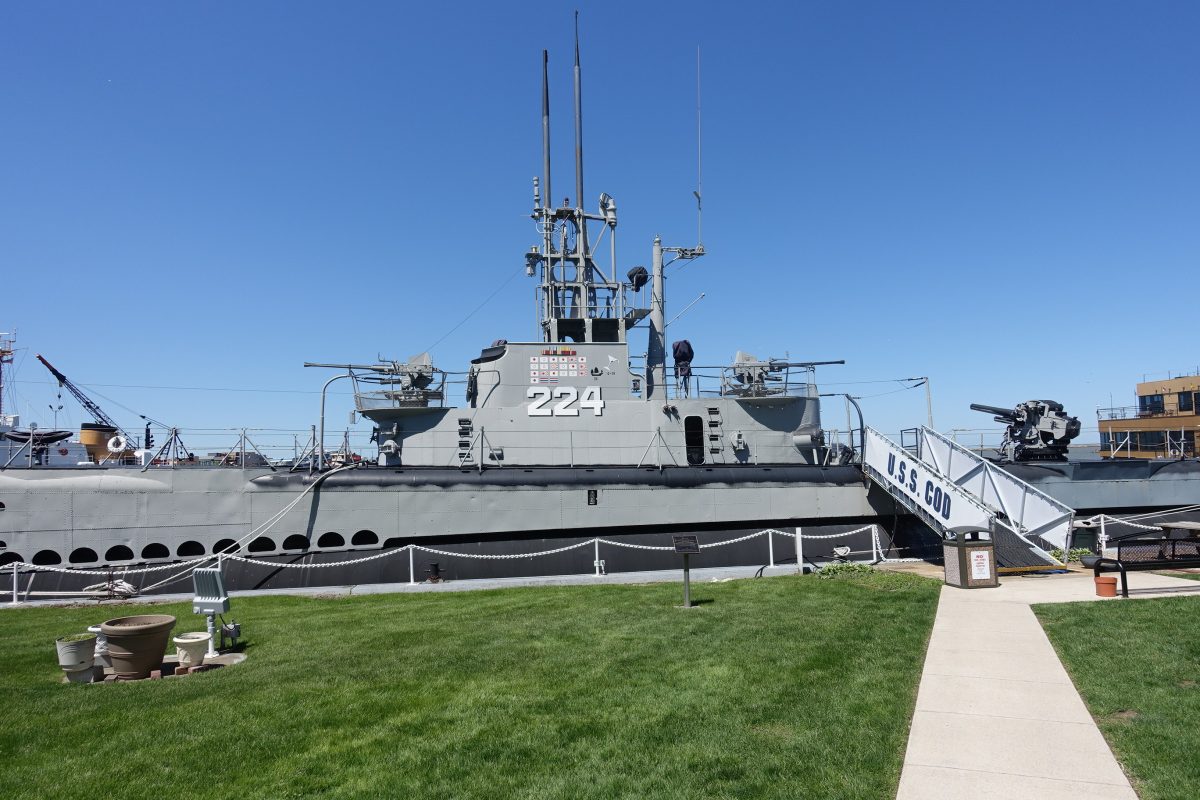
(77, 655)
(191, 647)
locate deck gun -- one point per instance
(1038, 430)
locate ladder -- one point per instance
(955, 491)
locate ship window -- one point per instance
(119, 553)
(606, 330)
(1150, 440)
(83, 555)
(693, 438)
(331, 539)
(1185, 401)
(190, 549)
(364, 537)
(296, 541)
(1, 506)
(47, 557)
(156, 550)
(225, 546)
(1150, 404)
(9, 558)
(1105, 440)
(261, 545)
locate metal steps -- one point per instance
(957, 491)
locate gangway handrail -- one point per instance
(916, 484)
(956, 491)
(1027, 510)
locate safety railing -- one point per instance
(116, 584)
(1138, 412)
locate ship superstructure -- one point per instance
(576, 396)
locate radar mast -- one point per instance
(577, 301)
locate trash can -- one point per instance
(1083, 539)
(970, 561)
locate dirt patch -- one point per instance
(774, 730)
(1187, 684)
(1124, 715)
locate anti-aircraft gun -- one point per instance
(1038, 430)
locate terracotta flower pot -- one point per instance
(136, 644)
(1106, 586)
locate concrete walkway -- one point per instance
(997, 716)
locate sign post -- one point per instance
(686, 545)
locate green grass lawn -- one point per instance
(1137, 665)
(776, 687)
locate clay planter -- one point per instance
(136, 644)
(77, 652)
(1106, 586)
(191, 648)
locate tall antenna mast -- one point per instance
(579, 144)
(546, 126)
(699, 173)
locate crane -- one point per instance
(88, 404)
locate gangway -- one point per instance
(955, 490)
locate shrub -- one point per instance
(845, 569)
(1075, 554)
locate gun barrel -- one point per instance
(1007, 413)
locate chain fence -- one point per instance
(117, 575)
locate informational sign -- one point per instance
(688, 544)
(922, 487)
(981, 565)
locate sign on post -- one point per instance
(686, 545)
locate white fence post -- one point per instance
(16, 598)
(799, 551)
(412, 576)
(771, 548)
(596, 542)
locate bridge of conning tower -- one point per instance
(955, 491)
(577, 299)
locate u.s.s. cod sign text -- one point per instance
(925, 488)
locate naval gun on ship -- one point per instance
(1038, 430)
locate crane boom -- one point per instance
(84, 400)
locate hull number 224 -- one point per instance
(567, 401)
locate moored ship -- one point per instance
(558, 440)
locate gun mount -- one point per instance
(1038, 430)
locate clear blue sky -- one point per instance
(1002, 196)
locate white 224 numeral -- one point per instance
(566, 396)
